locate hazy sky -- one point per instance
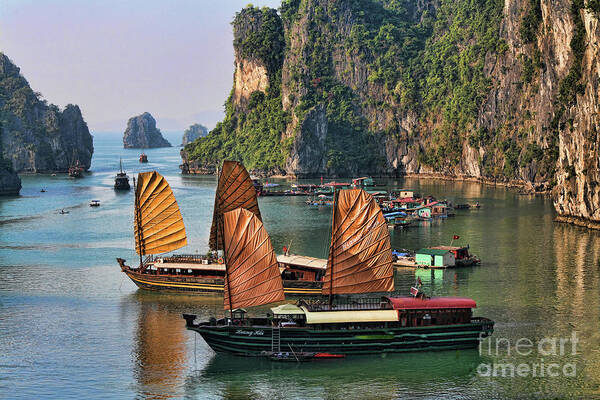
(116, 59)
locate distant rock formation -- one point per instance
(142, 133)
(36, 136)
(194, 132)
(10, 183)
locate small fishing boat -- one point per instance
(121, 180)
(43, 190)
(95, 203)
(159, 229)
(360, 261)
(292, 356)
(143, 158)
(62, 212)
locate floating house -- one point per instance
(335, 186)
(435, 258)
(424, 212)
(405, 193)
(439, 210)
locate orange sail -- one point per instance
(234, 190)
(253, 276)
(360, 255)
(158, 224)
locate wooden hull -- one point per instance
(199, 285)
(253, 340)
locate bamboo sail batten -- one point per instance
(253, 277)
(158, 225)
(234, 190)
(360, 254)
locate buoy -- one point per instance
(220, 260)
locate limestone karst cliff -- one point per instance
(36, 136)
(192, 133)
(142, 133)
(501, 91)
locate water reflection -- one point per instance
(160, 350)
(383, 377)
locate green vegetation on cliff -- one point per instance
(427, 61)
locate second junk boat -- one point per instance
(360, 261)
(159, 229)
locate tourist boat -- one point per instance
(95, 203)
(360, 261)
(122, 180)
(143, 158)
(159, 229)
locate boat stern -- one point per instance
(189, 320)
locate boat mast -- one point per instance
(219, 223)
(332, 248)
(139, 223)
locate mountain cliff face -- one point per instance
(141, 133)
(498, 91)
(36, 136)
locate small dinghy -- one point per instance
(298, 356)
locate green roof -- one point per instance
(432, 252)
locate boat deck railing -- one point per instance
(177, 258)
(346, 304)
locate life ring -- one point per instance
(220, 260)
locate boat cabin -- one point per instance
(389, 312)
(460, 253)
(404, 193)
(424, 212)
(302, 268)
(332, 187)
(432, 257)
(364, 181)
(439, 210)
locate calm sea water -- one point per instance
(73, 326)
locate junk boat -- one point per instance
(159, 229)
(76, 170)
(143, 158)
(360, 261)
(122, 180)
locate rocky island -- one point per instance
(142, 133)
(192, 133)
(494, 91)
(36, 136)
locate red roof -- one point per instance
(405, 200)
(403, 303)
(336, 184)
